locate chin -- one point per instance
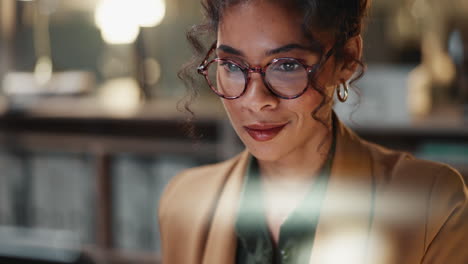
(266, 151)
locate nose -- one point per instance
(257, 97)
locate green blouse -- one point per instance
(255, 244)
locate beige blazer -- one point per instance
(381, 206)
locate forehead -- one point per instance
(260, 25)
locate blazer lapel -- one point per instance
(347, 208)
(221, 243)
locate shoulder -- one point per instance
(195, 185)
(424, 200)
(438, 190)
(438, 187)
(391, 165)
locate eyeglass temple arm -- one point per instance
(205, 60)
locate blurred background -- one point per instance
(90, 133)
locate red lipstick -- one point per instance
(264, 132)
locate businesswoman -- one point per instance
(306, 189)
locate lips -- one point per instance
(264, 132)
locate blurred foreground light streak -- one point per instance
(350, 245)
(400, 207)
(355, 224)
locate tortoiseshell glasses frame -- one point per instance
(247, 71)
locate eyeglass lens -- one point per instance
(285, 77)
(226, 78)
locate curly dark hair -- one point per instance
(344, 19)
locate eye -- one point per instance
(288, 66)
(230, 67)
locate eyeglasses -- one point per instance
(286, 78)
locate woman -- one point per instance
(306, 189)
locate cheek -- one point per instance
(324, 87)
(232, 109)
(312, 98)
(312, 101)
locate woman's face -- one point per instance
(270, 127)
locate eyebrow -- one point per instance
(290, 47)
(229, 49)
(285, 48)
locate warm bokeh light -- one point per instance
(119, 20)
(152, 71)
(120, 97)
(419, 99)
(150, 12)
(43, 71)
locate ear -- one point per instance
(352, 53)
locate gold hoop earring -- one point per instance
(342, 96)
